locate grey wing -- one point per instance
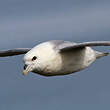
(82, 45)
(13, 52)
(61, 44)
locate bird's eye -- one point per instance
(34, 58)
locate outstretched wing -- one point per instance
(12, 52)
(82, 45)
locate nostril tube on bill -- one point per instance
(25, 66)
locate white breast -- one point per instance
(65, 63)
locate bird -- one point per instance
(58, 57)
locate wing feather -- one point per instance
(84, 44)
(13, 52)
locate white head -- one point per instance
(36, 60)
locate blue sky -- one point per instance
(26, 23)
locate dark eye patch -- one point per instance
(34, 58)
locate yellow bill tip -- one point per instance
(24, 72)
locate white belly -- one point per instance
(69, 62)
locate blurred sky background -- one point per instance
(25, 23)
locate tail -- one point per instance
(100, 54)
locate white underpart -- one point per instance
(51, 62)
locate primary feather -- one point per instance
(13, 52)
